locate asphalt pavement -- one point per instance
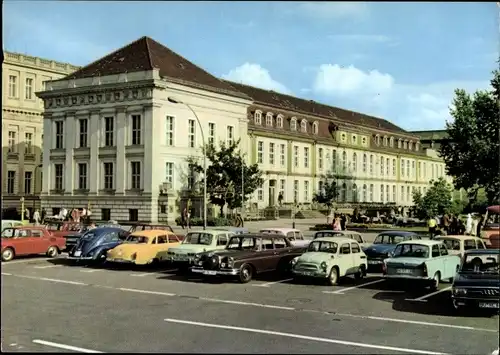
(51, 305)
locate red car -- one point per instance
(27, 240)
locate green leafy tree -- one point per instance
(328, 194)
(225, 167)
(471, 152)
(436, 201)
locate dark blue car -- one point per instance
(384, 244)
(95, 243)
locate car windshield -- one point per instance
(388, 239)
(323, 246)
(411, 250)
(137, 239)
(481, 263)
(241, 243)
(328, 234)
(89, 235)
(198, 238)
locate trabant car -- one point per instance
(424, 261)
(459, 244)
(8, 223)
(182, 256)
(342, 234)
(294, 235)
(29, 240)
(477, 282)
(247, 255)
(330, 258)
(144, 247)
(95, 243)
(384, 244)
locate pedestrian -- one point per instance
(337, 224)
(446, 223)
(183, 217)
(475, 222)
(460, 227)
(36, 217)
(43, 214)
(188, 219)
(26, 215)
(468, 224)
(479, 226)
(431, 223)
(343, 221)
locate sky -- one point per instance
(398, 61)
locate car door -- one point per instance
(357, 237)
(445, 262)
(41, 241)
(21, 241)
(345, 259)
(268, 255)
(435, 262)
(358, 257)
(283, 250)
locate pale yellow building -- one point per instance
(22, 125)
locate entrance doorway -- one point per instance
(272, 192)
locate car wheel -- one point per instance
(333, 277)
(436, 280)
(8, 254)
(246, 273)
(360, 273)
(52, 252)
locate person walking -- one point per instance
(431, 223)
(468, 224)
(475, 222)
(36, 217)
(43, 214)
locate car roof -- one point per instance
(337, 240)
(106, 229)
(482, 251)
(393, 232)
(284, 230)
(338, 232)
(258, 235)
(461, 237)
(208, 231)
(422, 242)
(151, 233)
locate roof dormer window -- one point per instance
(410, 145)
(279, 121)
(417, 146)
(386, 141)
(269, 119)
(293, 124)
(315, 127)
(257, 117)
(303, 126)
(400, 143)
(405, 145)
(377, 139)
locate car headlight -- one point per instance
(459, 291)
(200, 263)
(223, 265)
(197, 256)
(323, 265)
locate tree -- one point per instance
(471, 152)
(328, 194)
(224, 174)
(436, 201)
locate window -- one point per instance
(315, 128)
(11, 181)
(133, 216)
(391, 142)
(260, 152)
(271, 153)
(381, 193)
(29, 89)
(169, 130)
(82, 176)
(28, 143)
(135, 168)
(229, 135)
(108, 176)
(303, 126)
(306, 157)
(355, 248)
(105, 214)
(435, 251)
(136, 129)
(334, 160)
(28, 175)
(257, 118)
(408, 195)
(343, 193)
(402, 167)
(405, 144)
(364, 198)
(169, 172)
(320, 158)
(260, 194)
(12, 86)
(320, 186)
(387, 166)
(393, 167)
(191, 133)
(354, 193)
(413, 172)
(12, 142)
(353, 139)
(387, 194)
(382, 166)
(402, 193)
(363, 140)
(371, 164)
(364, 162)
(279, 121)
(400, 143)
(306, 190)
(345, 249)
(58, 175)
(269, 119)
(293, 124)
(408, 171)
(296, 156)
(354, 162)
(222, 239)
(344, 162)
(377, 139)
(393, 193)
(282, 187)
(211, 133)
(282, 154)
(109, 127)
(84, 130)
(385, 141)
(371, 193)
(296, 191)
(410, 146)
(425, 170)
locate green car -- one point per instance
(196, 242)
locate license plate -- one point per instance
(404, 271)
(374, 262)
(306, 273)
(78, 253)
(207, 272)
(488, 305)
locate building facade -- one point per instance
(118, 133)
(22, 125)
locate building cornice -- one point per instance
(53, 66)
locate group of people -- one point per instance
(339, 222)
(452, 225)
(37, 217)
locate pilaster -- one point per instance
(46, 168)
(69, 166)
(121, 143)
(95, 136)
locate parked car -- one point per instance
(293, 235)
(137, 227)
(477, 282)
(330, 258)
(95, 243)
(459, 244)
(8, 223)
(342, 234)
(247, 255)
(29, 240)
(384, 244)
(182, 256)
(490, 232)
(234, 230)
(421, 261)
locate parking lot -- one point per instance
(51, 305)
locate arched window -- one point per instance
(303, 126)
(386, 141)
(334, 160)
(257, 118)
(382, 193)
(405, 145)
(269, 119)
(279, 121)
(387, 166)
(344, 161)
(391, 142)
(354, 162)
(394, 193)
(293, 124)
(371, 164)
(377, 139)
(354, 193)
(382, 166)
(371, 193)
(364, 162)
(315, 128)
(364, 194)
(343, 192)
(387, 193)
(400, 143)
(417, 146)
(410, 145)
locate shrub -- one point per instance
(211, 222)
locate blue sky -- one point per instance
(399, 61)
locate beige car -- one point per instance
(458, 244)
(294, 235)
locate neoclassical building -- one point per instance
(118, 132)
(22, 125)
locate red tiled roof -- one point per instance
(145, 54)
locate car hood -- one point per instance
(314, 257)
(190, 249)
(380, 248)
(476, 280)
(408, 261)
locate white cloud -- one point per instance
(254, 75)
(334, 10)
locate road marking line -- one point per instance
(146, 291)
(305, 337)
(5, 263)
(89, 270)
(141, 275)
(46, 267)
(267, 284)
(66, 347)
(429, 295)
(247, 303)
(341, 291)
(6, 274)
(52, 280)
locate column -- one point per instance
(121, 143)
(69, 166)
(150, 166)
(47, 146)
(21, 143)
(95, 135)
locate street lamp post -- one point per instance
(22, 210)
(174, 101)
